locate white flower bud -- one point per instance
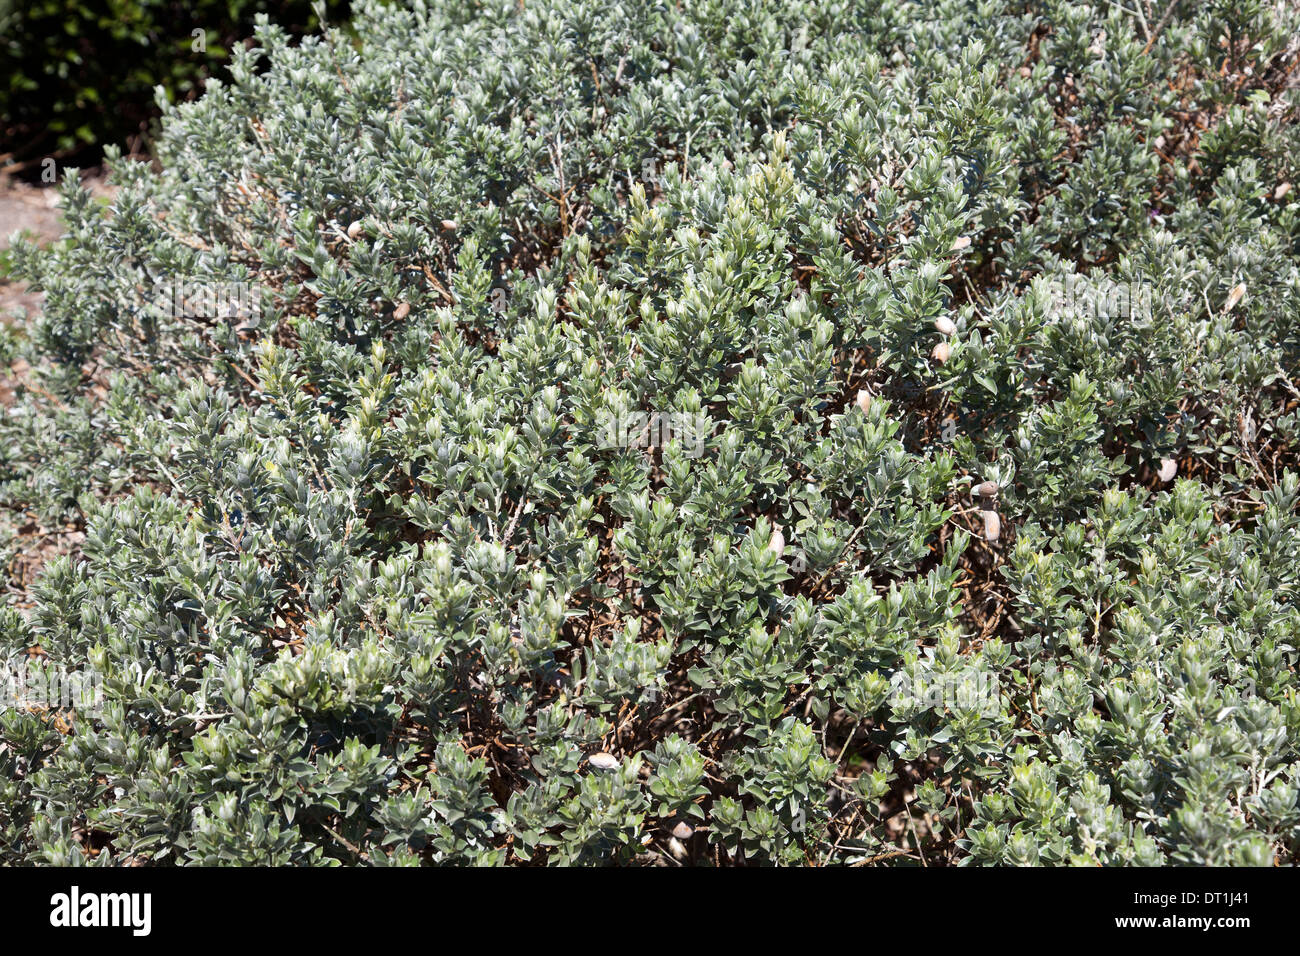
(1234, 296)
(603, 761)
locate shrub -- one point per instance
(521, 437)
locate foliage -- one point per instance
(365, 584)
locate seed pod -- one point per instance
(944, 325)
(941, 352)
(961, 243)
(1234, 297)
(987, 489)
(683, 830)
(355, 229)
(449, 225)
(777, 543)
(603, 761)
(402, 310)
(863, 401)
(1281, 191)
(1168, 468)
(992, 526)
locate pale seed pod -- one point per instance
(944, 325)
(992, 526)
(863, 401)
(449, 225)
(941, 352)
(1234, 297)
(1168, 468)
(1281, 191)
(603, 761)
(777, 543)
(402, 310)
(961, 243)
(987, 489)
(683, 830)
(355, 229)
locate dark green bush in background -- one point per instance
(79, 74)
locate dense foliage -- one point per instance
(369, 575)
(76, 73)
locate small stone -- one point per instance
(402, 311)
(603, 761)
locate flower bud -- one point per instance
(603, 761)
(1234, 297)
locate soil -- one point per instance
(33, 210)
